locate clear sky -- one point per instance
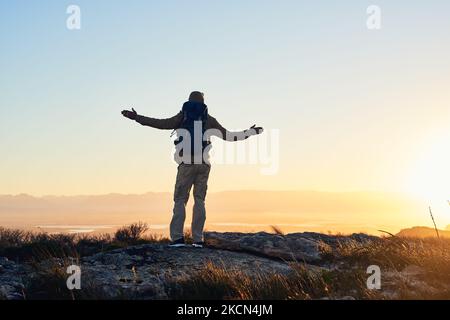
(357, 109)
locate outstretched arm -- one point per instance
(164, 124)
(233, 135)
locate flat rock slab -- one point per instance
(143, 271)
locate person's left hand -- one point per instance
(256, 130)
(130, 114)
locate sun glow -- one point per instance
(430, 177)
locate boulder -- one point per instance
(302, 247)
(290, 247)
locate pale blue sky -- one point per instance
(355, 107)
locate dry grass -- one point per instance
(216, 282)
(19, 245)
(431, 257)
(396, 253)
(131, 234)
(49, 282)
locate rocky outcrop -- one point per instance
(423, 233)
(144, 271)
(148, 271)
(265, 244)
(302, 247)
(11, 283)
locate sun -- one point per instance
(430, 176)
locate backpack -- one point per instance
(193, 112)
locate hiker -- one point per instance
(194, 127)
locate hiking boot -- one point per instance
(198, 244)
(177, 243)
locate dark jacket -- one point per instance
(175, 123)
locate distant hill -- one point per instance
(423, 232)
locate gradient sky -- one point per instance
(356, 109)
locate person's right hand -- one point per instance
(130, 114)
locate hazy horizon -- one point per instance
(291, 211)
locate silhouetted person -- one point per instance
(194, 127)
